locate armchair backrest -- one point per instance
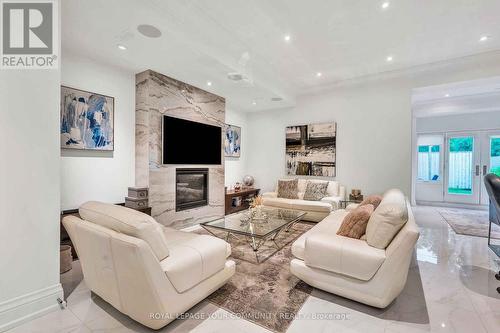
(492, 184)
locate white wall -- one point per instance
(29, 194)
(461, 122)
(235, 168)
(96, 175)
(374, 125)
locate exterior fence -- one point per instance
(460, 170)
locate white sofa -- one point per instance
(351, 267)
(316, 210)
(147, 271)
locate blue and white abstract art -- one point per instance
(232, 141)
(87, 120)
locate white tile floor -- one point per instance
(451, 288)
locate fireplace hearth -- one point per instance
(191, 188)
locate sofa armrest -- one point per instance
(270, 195)
(334, 201)
(343, 255)
(342, 192)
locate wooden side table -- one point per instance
(239, 200)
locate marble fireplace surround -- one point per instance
(158, 95)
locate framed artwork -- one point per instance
(87, 120)
(232, 141)
(311, 149)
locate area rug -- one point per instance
(266, 293)
(469, 222)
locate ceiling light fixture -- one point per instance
(254, 103)
(385, 5)
(319, 74)
(484, 38)
(149, 31)
(287, 38)
(447, 95)
(209, 83)
(389, 58)
(121, 47)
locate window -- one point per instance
(428, 163)
(495, 155)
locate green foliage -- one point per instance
(496, 171)
(495, 147)
(461, 144)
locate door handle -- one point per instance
(477, 170)
(485, 169)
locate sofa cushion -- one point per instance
(193, 259)
(333, 188)
(315, 191)
(278, 202)
(374, 200)
(354, 224)
(127, 221)
(311, 206)
(329, 224)
(288, 188)
(386, 221)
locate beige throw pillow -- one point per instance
(288, 189)
(354, 223)
(374, 200)
(315, 191)
(386, 221)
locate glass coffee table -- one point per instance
(256, 231)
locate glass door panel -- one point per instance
(462, 169)
(490, 159)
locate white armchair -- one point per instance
(147, 271)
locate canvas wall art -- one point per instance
(87, 120)
(232, 141)
(311, 149)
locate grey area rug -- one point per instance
(469, 222)
(266, 293)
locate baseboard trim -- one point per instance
(27, 307)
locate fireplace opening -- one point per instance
(191, 188)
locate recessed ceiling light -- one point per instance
(254, 103)
(319, 74)
(209, 83)
(484, 38)
(287, 38)
(276, 99)
(389, 58)
(121, 47)
(149, 31)
(385, 5)
(447, 95)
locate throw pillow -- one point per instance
(374, 200)
(315, 191)
(288, 189)
(354, 223)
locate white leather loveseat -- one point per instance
(316, 210)
(147, 271)
(351, 267)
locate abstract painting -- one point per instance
(232, 141)
(87, 120)
(311, 150)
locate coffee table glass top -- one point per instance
(238, 223)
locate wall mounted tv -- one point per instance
(189, 142)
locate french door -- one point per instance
(469, 156)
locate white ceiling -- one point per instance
(204, 40)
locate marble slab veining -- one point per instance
(158, 95)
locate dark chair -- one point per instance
(492, 183)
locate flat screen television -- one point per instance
(190, 142)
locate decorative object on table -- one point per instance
(355, 196)
(256, 208)
(248, 181)
(138, 199)
(87, 120)
(311, 149)
(492, 184)
(238, 201)
(65, 258)
(232, 141)
(237, 187)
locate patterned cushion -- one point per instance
(354, 223)
(315, 191)
(288, 189)
(374, 200)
